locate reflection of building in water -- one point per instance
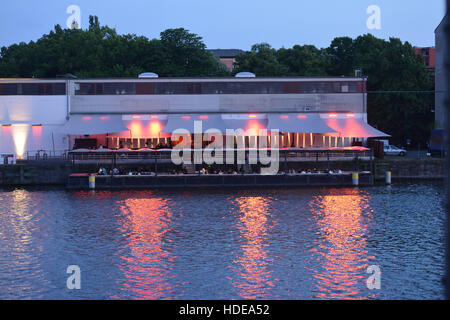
(341, 249)
(253, 264)
(146, 263)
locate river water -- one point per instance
(314, 243)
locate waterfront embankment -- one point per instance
(58, 172)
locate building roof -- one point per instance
(187, 79)
(441, 23)
(225, 53)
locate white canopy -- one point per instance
(209, 121)
(93, 124)
(304, 123)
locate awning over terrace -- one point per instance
(187, 122)
(93, 124)
(251, 124)
(302, 123)
(351, 126)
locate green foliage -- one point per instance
(261, 60)
(100, 52)
(303, 60)
(389, 65)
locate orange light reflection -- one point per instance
(146, 263)
(254, 278)
(342, 255)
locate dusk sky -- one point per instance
(232, 23)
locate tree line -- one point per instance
(99, 51)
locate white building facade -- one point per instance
(57, 115)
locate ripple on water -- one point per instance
(235, 244)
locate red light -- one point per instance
(350, 115)
(86, 118)
(37, 130)
(301, 116)
(154, 117)
(332, 115)
(186, 117)
(252, 116)
(104, 118)
(284, 117)
(203, 117)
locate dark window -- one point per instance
(59, 89)
(353, 87)
(29, 89)
(292, 87)
(144, 88)
(171, 88)
(238, 87)
(84, 88)
(215, 88)
(336, 87)
(119, 88)
(91, 88)
(99, 88)
(41, 89)
(193, 88)
(10, 89)
(349, 87)
(49, 89)
(33, 89)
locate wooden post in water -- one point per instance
(285, 161)
(328, 160)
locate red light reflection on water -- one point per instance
(146, 266)
(252, 266)
(341, 253)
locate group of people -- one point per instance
(202, 171)
(124, 171)
(220, 171)
(160, 145)
(315, 170)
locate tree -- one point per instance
(261, 60)
(100, 52)
(304, 60)
(186, 55)
(341, 54)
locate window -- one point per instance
(171, 88)
(144, 88)
(33, 89)
(59, 89)
(231, 87)
(292, 87)
(119, 88)
(105, 88)
(344, 87)
(9, 89)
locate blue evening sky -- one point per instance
(231, 23)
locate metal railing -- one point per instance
(287, 155)
(46, 155)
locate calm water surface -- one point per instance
(232, 244)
